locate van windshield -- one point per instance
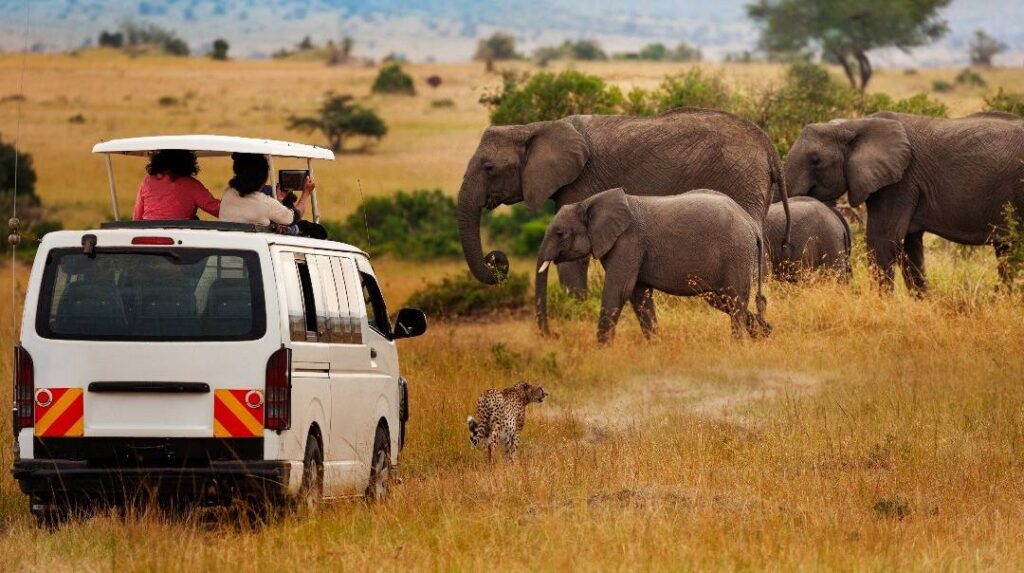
(166, 294)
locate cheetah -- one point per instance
(500, 414)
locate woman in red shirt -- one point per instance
(170, 191)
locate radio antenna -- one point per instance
(362, 207)
(14, 224)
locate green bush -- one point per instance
(1009, 102)
(517, 229)
(692, 89)
(919, 104)
(392, 79)
(941, 86)
(418, 225)
(444, 103)
(970, 78)
(1011, 263)
(462, 295)
(547, 96)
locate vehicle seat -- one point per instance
(167, 311)
(93, 308)
(228, 307)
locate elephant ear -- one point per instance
(878, 155)
(607, 217)
(555, 156)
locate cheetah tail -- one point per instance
(474, 427)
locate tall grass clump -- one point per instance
(463, 296)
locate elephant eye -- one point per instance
(815, 159)
(489, 168)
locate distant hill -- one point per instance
(447, 30)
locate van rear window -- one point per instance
(172, 294)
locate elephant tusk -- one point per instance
(543, 266)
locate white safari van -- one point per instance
(205, 360)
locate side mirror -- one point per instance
(410, 322)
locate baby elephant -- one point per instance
(819, 240)
(700, 243)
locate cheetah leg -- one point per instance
(512, 446)
(490, 447)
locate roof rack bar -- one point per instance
(113, 187)
(315, 205)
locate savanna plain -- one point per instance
(871, 431)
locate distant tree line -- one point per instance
(134, 37)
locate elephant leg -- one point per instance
(882, 255)
(612, 300)
(573, 276)
(729, 304)
(913, 263)
(642, 301)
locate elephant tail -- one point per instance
(847, 241)
(778, 182)
(760, 301)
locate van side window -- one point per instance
(293, 292)
(328, 303)
(376, 312)
(308, 300)
(349, 331)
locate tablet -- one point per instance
(292, 179)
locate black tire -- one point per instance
(311, 493)
(381, 474)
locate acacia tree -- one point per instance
(338, 117)
(498, 47)
(982, 48)
(844, 31)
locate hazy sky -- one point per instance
(448, 30)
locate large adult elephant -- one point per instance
(571, 159)
(950, 177)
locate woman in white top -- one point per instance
(245, 202)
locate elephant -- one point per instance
(821, 239)
(700, 243)
(571, 159)
(950, 177)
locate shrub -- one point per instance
(445, 103)
(9, 155)
(339, 117)
(111, 39)
(970, 78)
(462, 295)
(1009, 102)
(919, 104)
(519, 230)
(77, 119)
(583, 50)
(499, 46)
(547, 96)
(220, 49)
(434, 81)
(1011, 263)
(168, 101)
(692, 89)
(417, 225)
(941, 86)
(393, 80)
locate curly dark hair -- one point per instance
(173, 162)
(251, 172)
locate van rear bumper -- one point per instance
(49, 479)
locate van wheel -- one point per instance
(312, 490)
(380, 470)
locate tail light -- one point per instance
(278, 391)
(24, 380)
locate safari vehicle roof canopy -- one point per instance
(209, 146)
(212, 146)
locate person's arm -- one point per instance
(138, 210)
(278, 213)
(205, 200)
(307, 190)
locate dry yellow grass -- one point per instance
(870, 432)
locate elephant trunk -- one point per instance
(541, 290)
(471, 206)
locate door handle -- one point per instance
(373, 353)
